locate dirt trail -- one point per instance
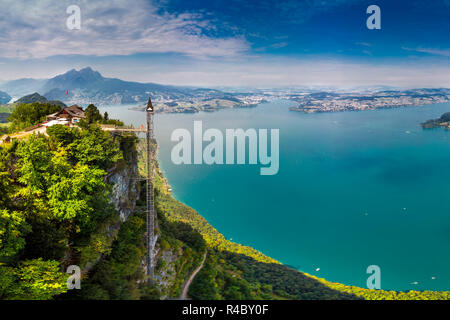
(188, 283)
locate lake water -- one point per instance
(354, 189)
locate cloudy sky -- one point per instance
(231, 43)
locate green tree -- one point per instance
(29, 114)
(62, 189)
(38, 279)
(73, 189)
(12, 229)
(6, 181)
(63, 134)
(92, 114)
(7, 282)
(34, 167)
(96, 147)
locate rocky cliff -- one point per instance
(124, 192)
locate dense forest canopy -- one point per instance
(53, 198)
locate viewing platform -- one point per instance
(114, 128)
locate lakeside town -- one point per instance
(311, 100)
(336, 102)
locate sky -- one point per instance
(214, 43)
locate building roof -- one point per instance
(67, 113)
(74, 111)
(53, 115)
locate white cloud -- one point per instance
(263, 71)
(37, 29)
(273, 72)
(434, 51)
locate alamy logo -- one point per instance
(73, 22)
(374, 280)
(235, 142)
(74, 280)
(374, 20)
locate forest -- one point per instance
(54, 198)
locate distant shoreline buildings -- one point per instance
(336, 102)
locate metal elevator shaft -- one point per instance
(151, 214)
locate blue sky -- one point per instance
(224, 43)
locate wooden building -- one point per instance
(72, 114)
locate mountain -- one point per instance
(74, 79)
(4, 97)
(36, 97)
(89, 86)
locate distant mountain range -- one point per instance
(4, 97)
(21, 87)
(88, 86)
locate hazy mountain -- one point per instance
(89, 86)
(36, 97)
(74, 79)
(21, 87)
(4, 97)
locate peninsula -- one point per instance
(443, 121)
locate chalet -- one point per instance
(71, 115)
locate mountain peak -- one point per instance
(74, 79)
(86, 72)
(34, 97)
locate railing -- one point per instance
(112, 127)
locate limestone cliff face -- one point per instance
(165, 274)
(124, 191)
(171, 263)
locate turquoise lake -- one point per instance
(353, 189)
